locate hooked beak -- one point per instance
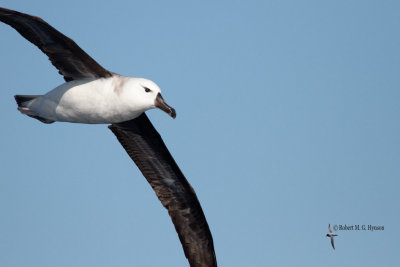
(160, 103)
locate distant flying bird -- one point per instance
(93, 94)
(331, 235)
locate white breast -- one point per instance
(104, 100)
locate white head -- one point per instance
(147, 95)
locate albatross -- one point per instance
(94, 95)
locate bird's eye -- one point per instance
(147, 89)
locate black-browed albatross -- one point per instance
(92, 94)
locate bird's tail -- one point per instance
(22, 101)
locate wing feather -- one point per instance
(70, 60)
(138, 137)
(146, 148)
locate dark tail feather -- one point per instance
(21, 100)
(24, 98)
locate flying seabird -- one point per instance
(92, 94)
(331, 235)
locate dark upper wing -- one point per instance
(71, 61)
(139, 138)
(146, 148)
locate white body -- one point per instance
(103, 100)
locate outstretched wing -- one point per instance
(139, 138)
(329, 227)
(146, 148)
(333, 244)
(71, 61)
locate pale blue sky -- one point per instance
(287, 120)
